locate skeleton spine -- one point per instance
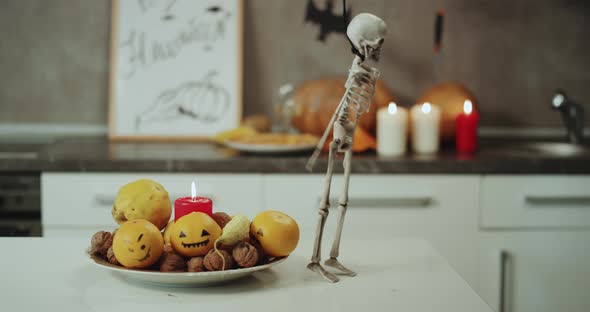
(343, 117)
(361, 88)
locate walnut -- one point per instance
(172, 262)
(167, 248)
(101, 242)
(111, 257)
(221, 218)
(245, 255)
(196, 264)
(262, 258)
(213, 261)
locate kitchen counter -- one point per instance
(408, 275)
(97, 154)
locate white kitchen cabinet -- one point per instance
(535, 201)
(439, 208)
(79, 204)
(540, 224)
(544, 271)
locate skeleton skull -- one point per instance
(367, 33)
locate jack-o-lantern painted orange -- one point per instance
(138, 244)
(194, 234)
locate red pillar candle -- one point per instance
(186, 205)
(466, 129)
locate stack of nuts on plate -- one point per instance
(196, 242)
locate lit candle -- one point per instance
(466, 129)
(425, 128)
(392, 123)
(194, 203)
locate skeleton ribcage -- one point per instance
(360, 88)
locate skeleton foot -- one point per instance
(333, 262)
(316, 267)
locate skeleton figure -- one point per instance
(366, 33)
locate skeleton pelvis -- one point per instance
(343, 133)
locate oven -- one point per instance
(20, 204)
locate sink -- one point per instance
(557, 148)
(554, 147)
(543, 148)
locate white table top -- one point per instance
(400, 275)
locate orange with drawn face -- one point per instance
(138, 244)
(194, 234)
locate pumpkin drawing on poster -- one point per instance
(177, 68)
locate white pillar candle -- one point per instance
(392, 122)
(425, 128)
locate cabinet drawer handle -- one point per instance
(504, 258)
(405, 201)
(109, 199)
(557, 199)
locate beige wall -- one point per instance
(511, 53)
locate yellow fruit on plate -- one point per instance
(235, 231)
(194, 234)
(138, 244)
(277, 232)
(167, 231)
(234, 134)
(142, 199)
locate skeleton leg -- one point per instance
(315, 265)
(342, 205)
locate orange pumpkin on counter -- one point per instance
(362, 141)
(316, 101)
(449, 97)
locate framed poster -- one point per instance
(176, 69)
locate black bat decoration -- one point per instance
(328, 21)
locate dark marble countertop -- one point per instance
(97, 154)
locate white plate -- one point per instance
(181, 279)
(269, 148)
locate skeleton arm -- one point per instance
(318, 148)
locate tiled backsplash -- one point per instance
(511, 53)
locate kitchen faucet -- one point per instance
(572, 115)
